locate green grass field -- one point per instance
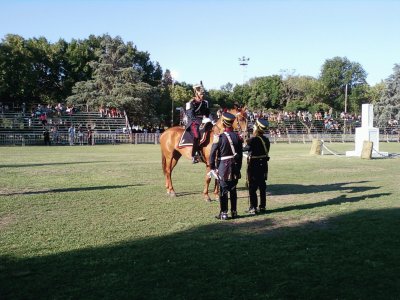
(95, 223)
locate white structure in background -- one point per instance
(367, 133)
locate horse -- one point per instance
(171, 153)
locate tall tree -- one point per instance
(266, 92)
(388, 106)
(118, 82)
(338, 72)
(16, 78)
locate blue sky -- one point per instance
(203, 40)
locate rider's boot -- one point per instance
(195, 147)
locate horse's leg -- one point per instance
(166, 164)
(206, 185)
(216, 190)
(173, 161)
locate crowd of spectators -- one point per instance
(319, 121)
(110, 112)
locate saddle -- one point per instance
(186, 139)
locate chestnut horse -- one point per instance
(171, 153)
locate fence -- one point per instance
(19, 139)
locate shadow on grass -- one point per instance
(335, 201)
(51, 164)
(77, 189)
(291, 189)
(355, 256)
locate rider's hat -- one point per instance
(227, 119)
(198, 88)
(262, 125)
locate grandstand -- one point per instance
(21, 129)
(17, 128)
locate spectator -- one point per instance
(46, 136)
(71, 134)
(43, 119)
(80, 135)
(55, 135)
(90, 137)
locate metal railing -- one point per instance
(24, 139)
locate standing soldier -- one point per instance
(196, 109)
(257, 165)
(226, 156)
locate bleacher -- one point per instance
(23, 129)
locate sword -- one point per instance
(247, 178)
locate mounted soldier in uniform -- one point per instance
(196, 110)
(257, 165)
(226, 161)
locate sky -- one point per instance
(204, 40)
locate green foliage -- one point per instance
(102, 70)
(116, 83)
(181, 94)
(265, 92)
(222, 98)
(388, 106)
(338, 72)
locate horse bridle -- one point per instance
(239, 129)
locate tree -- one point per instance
(16, 77)
(388, 106)
(266, 92)
(305, 90)
(222, 98)
(118, 81)
(241, 94)
(338, 72)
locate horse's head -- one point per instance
(240, 123)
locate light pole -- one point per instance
(172, 105)
(243, 62)
(345, 109)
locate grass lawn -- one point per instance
(95, 223)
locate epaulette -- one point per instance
(188, 104)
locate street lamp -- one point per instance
(172, 105)
(243, 62)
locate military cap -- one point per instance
(198, 88)
(262, 124)
(227, 119)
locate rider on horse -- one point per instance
(196, 110)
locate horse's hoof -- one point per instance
(172, 194)
(207, 199)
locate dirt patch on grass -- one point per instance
(6, 220)
(19, 191)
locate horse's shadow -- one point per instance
(292, 189)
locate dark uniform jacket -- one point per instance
(196, 110)
(223, 158)
(258, 156)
